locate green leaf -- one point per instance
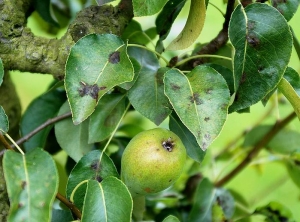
(192, 28)
(147, 7)
(109, 200)
(32, 183)
(171, 218)
(39, 111)
(135, 34)
(261, 56)
(286, 8)
(226, 73)
(275, 212)
(106, 117)
(95, 65)
(285, 142)
(72, 139)
(61, 215)
(188, 139)
(45, 10)
(211, 203)
(89, 168)
(293, 78)
(200, 99)
(137, 69)
(4, 124)
(225, 200)
(147, 94)
(203, 201)
(1, 72)
(293, 168)
(167, 16)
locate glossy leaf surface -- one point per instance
(72, 139)
(44, 8)
(192, 28)
(89, 167)
(188, 139)
(286, 8)
(147, 7)
(106, 117)
(39, 111)
(32, 183)
(200, 100)
(4, 124)
(95, 65)
(109, 200)
(204, 199)
(147, 94)
(165, 20)
(262, 52)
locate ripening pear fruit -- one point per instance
(152, 161)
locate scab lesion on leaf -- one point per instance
(114, 57)
(252, 39)
(195, 98)
(175, 87)
(89, 90)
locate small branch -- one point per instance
(5, 143)
(69, 204)
(220, 40)
(258, 146)
(43, 126)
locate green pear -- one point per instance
(152, 161)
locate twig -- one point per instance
(69, 204)
(5, 143)
(258, 146)
(41, 127)
(220, 40)
(234, 141)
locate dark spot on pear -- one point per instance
(168, 144)
(206, 119)
(114, 57)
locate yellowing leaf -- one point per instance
(192, 28)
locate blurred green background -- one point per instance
(259, 183)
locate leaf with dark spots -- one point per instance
(114, 57)
(90, 167)
(199, 95)
(90, 90)
(286, 7)
(96, 64)
(262, 52)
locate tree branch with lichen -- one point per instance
(21, 50)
